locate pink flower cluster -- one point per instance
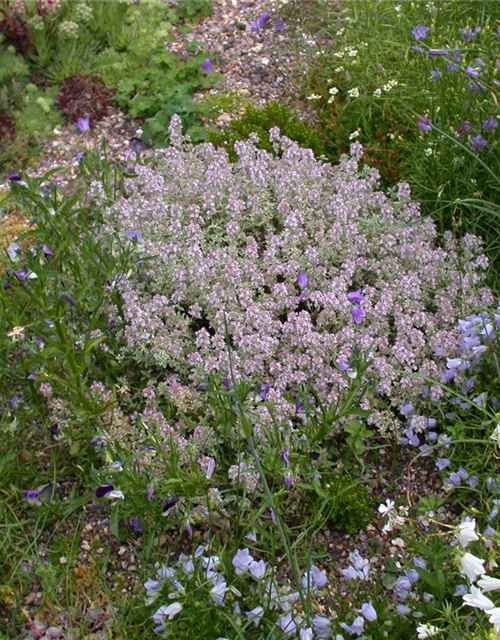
(268, 250)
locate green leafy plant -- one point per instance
(259, 121)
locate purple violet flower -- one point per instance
(343, 365)
(264, 391)
(69, 299)
(151, 490)
(31, 494)
(136, 145)
(355, 297)
(357, 314)
(208, 67)
(302, 280)
(82, 124)
(260, 22)
(14, 176)
(288, 480)
(417, 49)
(136, 524)
(424, 124)
(47, 250)
(436, 76)
(21, 276)
(169, 504)
(103, 489)
(490, 123)
(280, 25)
(420, 32)
(79, 155)
(478, 143)
(135, 236)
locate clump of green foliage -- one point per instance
(189, 10)
(342, 501)
(259, 121)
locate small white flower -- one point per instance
(386, 507)
(496, 434)
(339, 69)
(477, 599)
(466, 532)
(472, 566)
(353, 93)
(115, 495)
(354, 135)
(313, 96)
(494, 616)
(426, 631)
(428, 152)
(378, 92)
(333, 91)
(397, 8)
(487, 583)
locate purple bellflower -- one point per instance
(82, 124)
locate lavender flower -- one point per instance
(368, 611)
(463, 127)
(358, 314)
(355, 297)
(287, 624)
(478, 143)
(242, 561)
(14, 176)
(169, 504)
(47, 250)
(136, 145)
(260, 22)
(490, 123)
(264, 391)
(302, 280)
(356, 628)
(151, 490)
(420, 32)
(79, 155)
(21, 276)
(424, 124)
(82, 124)
(208, 66)
(13, 251)
(135, 236)
(280, 25)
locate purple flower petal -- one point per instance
(424, 124)
(357, 314)
(208, 67)
(103, 489)
(356, 296)
(47, 250)
(302, 280)
(82, 124)
(69, 299)
(420, 32)
(14, 176)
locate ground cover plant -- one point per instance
(191, 438)
(417, 84)
(247, 393)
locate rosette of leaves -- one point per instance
(83, 95)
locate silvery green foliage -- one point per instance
(228, 242)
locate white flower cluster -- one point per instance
(473, 568)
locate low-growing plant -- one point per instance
(260, 122)
(84, 96)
